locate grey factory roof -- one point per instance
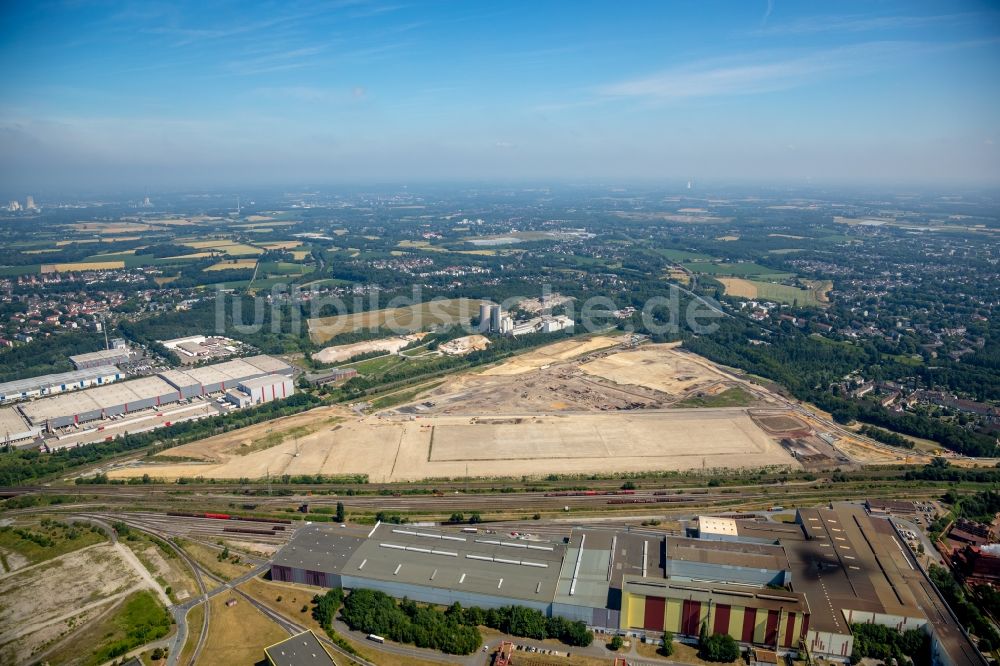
(19, 386)
(318, 548)
(851, 561)
(12, 424)
(727, 553)
(473, 563)
(98, 398)
(300, 650)
(179, 378)
(235, 370)
(267, 363)
(101, 354)
(586, 572)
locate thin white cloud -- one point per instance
(767, 72)
(861, 23)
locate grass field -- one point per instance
(232, 265)
(734, 397)
(737, 270)
(28, 540)
(139, 620)
(238, 634)
(404, 319)
(768, 291)
(228, 247)
(284, 268)
(377, 365)
(208, 558)
(282, 245)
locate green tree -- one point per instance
(341, 513)
(615, 643)
(720, 648)
(667, 648)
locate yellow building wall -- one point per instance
(736, 614)
(703, 616)
(634, 612)
(673, 617)
(799, 618)
(760, 626)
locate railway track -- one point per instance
(223, 585)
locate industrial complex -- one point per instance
(34, 387)
(789, 587)
(260, 378)
(492, 319)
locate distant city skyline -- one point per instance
(121, 95)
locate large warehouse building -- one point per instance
(101, 357)
(145, 392)
(34, 387)
(789, 588)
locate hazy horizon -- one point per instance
(119, 96)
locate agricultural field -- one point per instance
(232, 264)
(412, 318)
(745, 269)
(83, 266)
(769, 291)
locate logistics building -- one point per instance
(34, 387)
(164, 388)
(790, 588)
(102, 357)
(13, 427)
(267, 388)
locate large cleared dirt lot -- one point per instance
(670, 440)
(577, 406)
(43, 602)
(407, 449)
(659, 367)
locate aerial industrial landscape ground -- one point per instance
(593, 406)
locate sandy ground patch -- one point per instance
(14, 560)
(59, 589)
(560, 351)
(658, 367)
(465, 344)
(404, 448)
(340, 353)
(739, 287)
(34, 644)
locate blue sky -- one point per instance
(177, 94)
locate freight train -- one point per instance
(588, 493)
(227, 516)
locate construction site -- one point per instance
(602, 404)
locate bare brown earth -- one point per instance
(42, 602)
(593, 405)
